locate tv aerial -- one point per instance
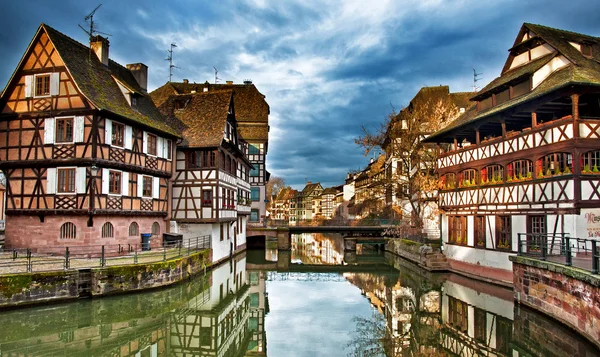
(90, 19)
(170, 59)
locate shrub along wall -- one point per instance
(35, 288)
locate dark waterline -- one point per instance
(319, 302)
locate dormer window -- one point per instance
(586, 50)
(133, 100)
(179, 104)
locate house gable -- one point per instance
(41, 82)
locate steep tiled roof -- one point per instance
(253, 132)
(203, 119)
(96, 82)
(581, 71)
(514, 75)
(309, 188)
(250, 104)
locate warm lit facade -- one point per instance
(525, 159)
(211, 192)
(252, 115)
(85, 152)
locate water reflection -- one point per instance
(312, 301)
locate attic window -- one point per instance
(133, 100)
(179, 104)
(586, 50)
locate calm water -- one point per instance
(314, 301)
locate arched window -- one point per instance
(448, 181)
(519, 170)
(155, 229)
(492, 174)
(590, 162)
(560, 163)
(467, 178)
(108, 230)
(134, 229)
(68, 231)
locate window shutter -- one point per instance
(78, 129)
(28, 86)
(54, 83)
(80, 179)
(128, 137)
(159, 147)
(104, 181)
(125, 184)
(108, 131)
(140, 185)
(145, 143)
(49, 131)
(51, 181)
(156, 187)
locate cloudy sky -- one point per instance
(326, 67)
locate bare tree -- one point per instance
(400, 136)
(273, 186)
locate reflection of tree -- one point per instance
(372, 338)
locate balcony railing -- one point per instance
(562, 249)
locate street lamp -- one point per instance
(94, 172)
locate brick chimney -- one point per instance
(99, 45)
(140, 73)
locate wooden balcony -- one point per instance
(556, 131)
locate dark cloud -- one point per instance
(326, 68)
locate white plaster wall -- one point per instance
(444, 228)
(470, 230)
(241, 237)
(555, 64)
(490, 231)
(518, 225)
(485, 258)
(221, 248)
(541, 50)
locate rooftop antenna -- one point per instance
(170, 59)
(90, 18)
(216, 77)
(475, 79)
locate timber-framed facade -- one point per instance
(83, 148)
(211, 189)
(525, 157)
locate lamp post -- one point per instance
(92, 206)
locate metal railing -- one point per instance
(560, 248)
(96, 256)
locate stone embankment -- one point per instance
(568, 294)
(426, 256)
(35, 288)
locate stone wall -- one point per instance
(36, 288)
(26, 289)
(567, 294)
(541, 336)
(428, 258)
(30, 232)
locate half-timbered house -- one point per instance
(525, 159)
(85, 152)
(252, 115)
(211, 189)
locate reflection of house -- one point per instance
(252, 114)
(216, 322)
(92, 157)
(211, 192)
(476, 323)
(524, 159)
(259, 307)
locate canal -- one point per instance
(312, 301)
